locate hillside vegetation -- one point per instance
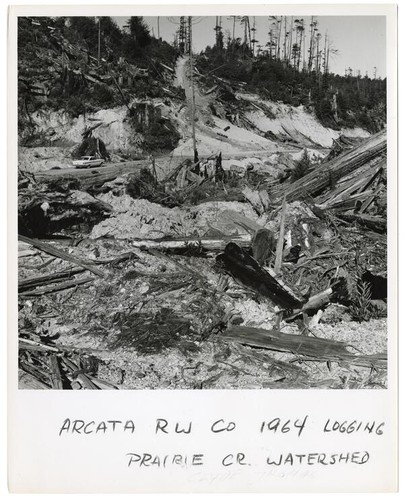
(59, 68)
(336, 100)
(78, 66)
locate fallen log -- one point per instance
(32, 345)
(56, 287)
(45, 247)
(324, 175)
(213, 244)
(313, 347)
(374, 222)
(46, 279)
(246, 269)
(90, 177)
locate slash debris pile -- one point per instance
(206, 278)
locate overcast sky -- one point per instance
(360, 40)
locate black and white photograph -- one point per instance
(202, 249)
(202, 202)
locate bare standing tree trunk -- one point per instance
(249, 32)
(285, 40)
(290, 40)
(325, 53)
(279, 37)
(310, 62)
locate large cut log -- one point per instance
(313, 347)
(329, 172)
(51, 250)
(246, 269)
(90, 177)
